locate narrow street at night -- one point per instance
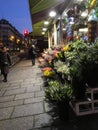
(22, 104)
(49, 65)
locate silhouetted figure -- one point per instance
(5, 61)
(32, 53)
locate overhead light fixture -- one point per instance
(43, 33)
(46, 22)
(52, 14)
(44, 29)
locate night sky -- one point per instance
(17, 13)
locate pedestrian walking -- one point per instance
(32, 53)
(5, 61)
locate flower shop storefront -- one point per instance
(70, 64)
(71, 73)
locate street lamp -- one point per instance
(12, 39)
(17, 41)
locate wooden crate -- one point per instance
(89, 106)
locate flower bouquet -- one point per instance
(48, 72)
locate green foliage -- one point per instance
(80, 65)
(60, 56)
(58, 92)
(61, 67)
(81, 56)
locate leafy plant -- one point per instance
(61, 67)
(82, 61)
(58, 92)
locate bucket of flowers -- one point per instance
(59, 95)
(48, 74)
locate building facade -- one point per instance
(10, 36)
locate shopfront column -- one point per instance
(60, 31)
(49, 40)
(55, 34)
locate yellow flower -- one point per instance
(66, 48)
(93, 3)
(48, 73)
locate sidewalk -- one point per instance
(22, 105)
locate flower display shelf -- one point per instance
(89, 106)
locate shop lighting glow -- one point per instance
(44, 29)
(64, 29)
(52, 14)
(46, 22)
(84, 14)
(83, 30)
(43, 33)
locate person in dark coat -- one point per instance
(32, 53)
(5, 61)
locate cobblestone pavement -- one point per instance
(22, 104)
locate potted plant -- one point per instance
(61, 95)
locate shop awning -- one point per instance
(39, 11)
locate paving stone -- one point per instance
(45, 128)
(7, 98)
(15, 91)
(32, 89)
(24, 96)
(12, 87)
(14, 84)
(29, 80)
(42, 120)
(38, 94)
(39, 84)
(29, 109)
(11, 103)
(27, 85)
(5, 113)
(2, 92)
(3, 85)
(33, 100)
(23, 123)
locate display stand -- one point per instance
(89, 106)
